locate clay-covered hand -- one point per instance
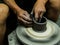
(24, 16)
(39, 9)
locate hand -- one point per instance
(38, 9)
(24, 17)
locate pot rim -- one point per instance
(40, 23)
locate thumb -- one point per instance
(32, 12)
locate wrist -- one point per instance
(17, 9)
(42, 1)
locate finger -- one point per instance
(32, 12)
(41, 14)
(26, 22)
(25, 17)
(36, 16)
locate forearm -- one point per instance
(12, 4)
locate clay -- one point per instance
(39, 26)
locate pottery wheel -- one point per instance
(30, 37)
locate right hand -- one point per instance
(24, 17)
(39, 10)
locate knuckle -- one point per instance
(20, 15)
(36, 9)
(36, 16)
(25, 11)
(43, 10)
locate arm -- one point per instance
(22, 15)
(12, 4)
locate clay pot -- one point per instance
(39, 26)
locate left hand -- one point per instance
(38, 9)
